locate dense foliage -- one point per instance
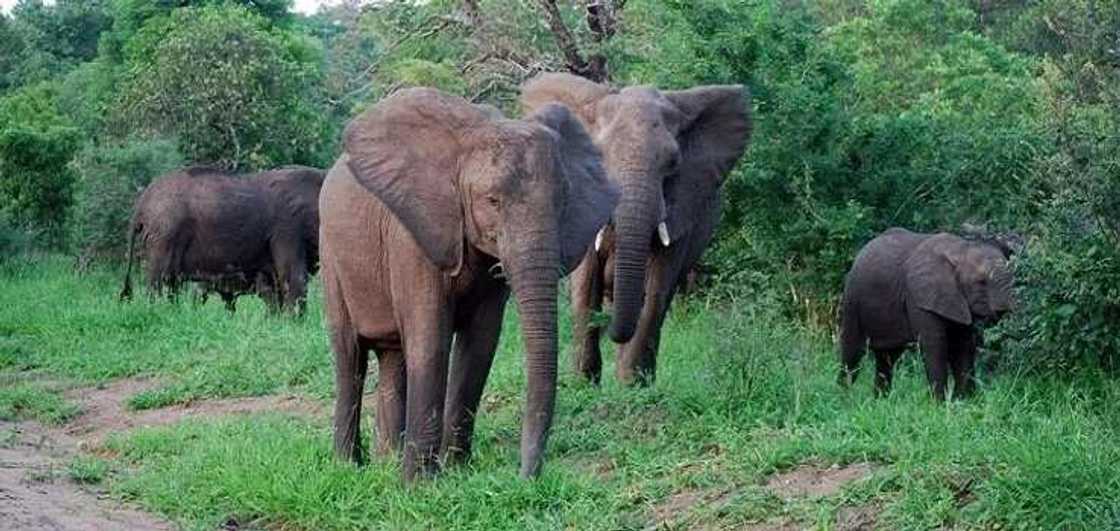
(1000, 114)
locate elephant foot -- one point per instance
(417, 466)
(350, 452)
(638, 379)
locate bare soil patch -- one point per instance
(36, 493)
(674, 510)
(860, 518)
(104, 410)
(773, 525)
(811, 481)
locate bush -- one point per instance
(1070, 277)
(229, 87)
(14, 241)
(110, 178)
(36, 146)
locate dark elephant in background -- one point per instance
(230, 287)
(433, 206)
(930, 288)
(234, 235)
(669, 152)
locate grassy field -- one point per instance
(741, 396)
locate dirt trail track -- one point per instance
(37, 494)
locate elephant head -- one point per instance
(460, 178)
(668, 151)
(960, 280)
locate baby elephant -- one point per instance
(930, 288)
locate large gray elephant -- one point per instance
(434, 204)
(669, 152)
(930, 288)
(231, 234)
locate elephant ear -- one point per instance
(406, 151)
(580, 95)
(931, 281)
(715, 128)
(590, 197)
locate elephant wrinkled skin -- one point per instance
(669, 152)
(929, 288)
(432, 206)
(233, 235)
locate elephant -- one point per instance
(933, 289)
(669, 152)
(232, 234)
(432, 207)
(230, 287)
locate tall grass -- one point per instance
(740, 395)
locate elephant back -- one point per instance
(295, 191)
(875, 287)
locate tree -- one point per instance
(14, 47)
(66, 29)
(36, 146)
(229, 87)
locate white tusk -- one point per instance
(498, 271)
(599, 239)
(663, 233)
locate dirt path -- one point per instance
(37, 494)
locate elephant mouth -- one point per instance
(604, 235)
(991, 319)
(498, 271)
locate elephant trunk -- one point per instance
(534, 275)
(1001, 296)
(634, 222)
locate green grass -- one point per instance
(23, 400)
(87, 469)
(740, 395)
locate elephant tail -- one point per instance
(134, 228)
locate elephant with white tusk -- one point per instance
(669, 152)
(435, 214)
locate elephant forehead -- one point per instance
(509, 161)
(636, 108)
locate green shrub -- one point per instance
(110, 178)
(36, 146)
(14, 241)
(1070, 276)
(229, 87)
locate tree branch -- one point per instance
(567, 42)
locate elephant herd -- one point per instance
(438, 211)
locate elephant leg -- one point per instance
(637, 358)
(472, 357)
(230, 300)
(427, 339)
(932, 337)
(587, 298)
(201, 294)
(265, 286)
(174, 277)
(291, 273)
(351, 363)
(885, 359)
(159, 268)
(391, 388)
(962, 360)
